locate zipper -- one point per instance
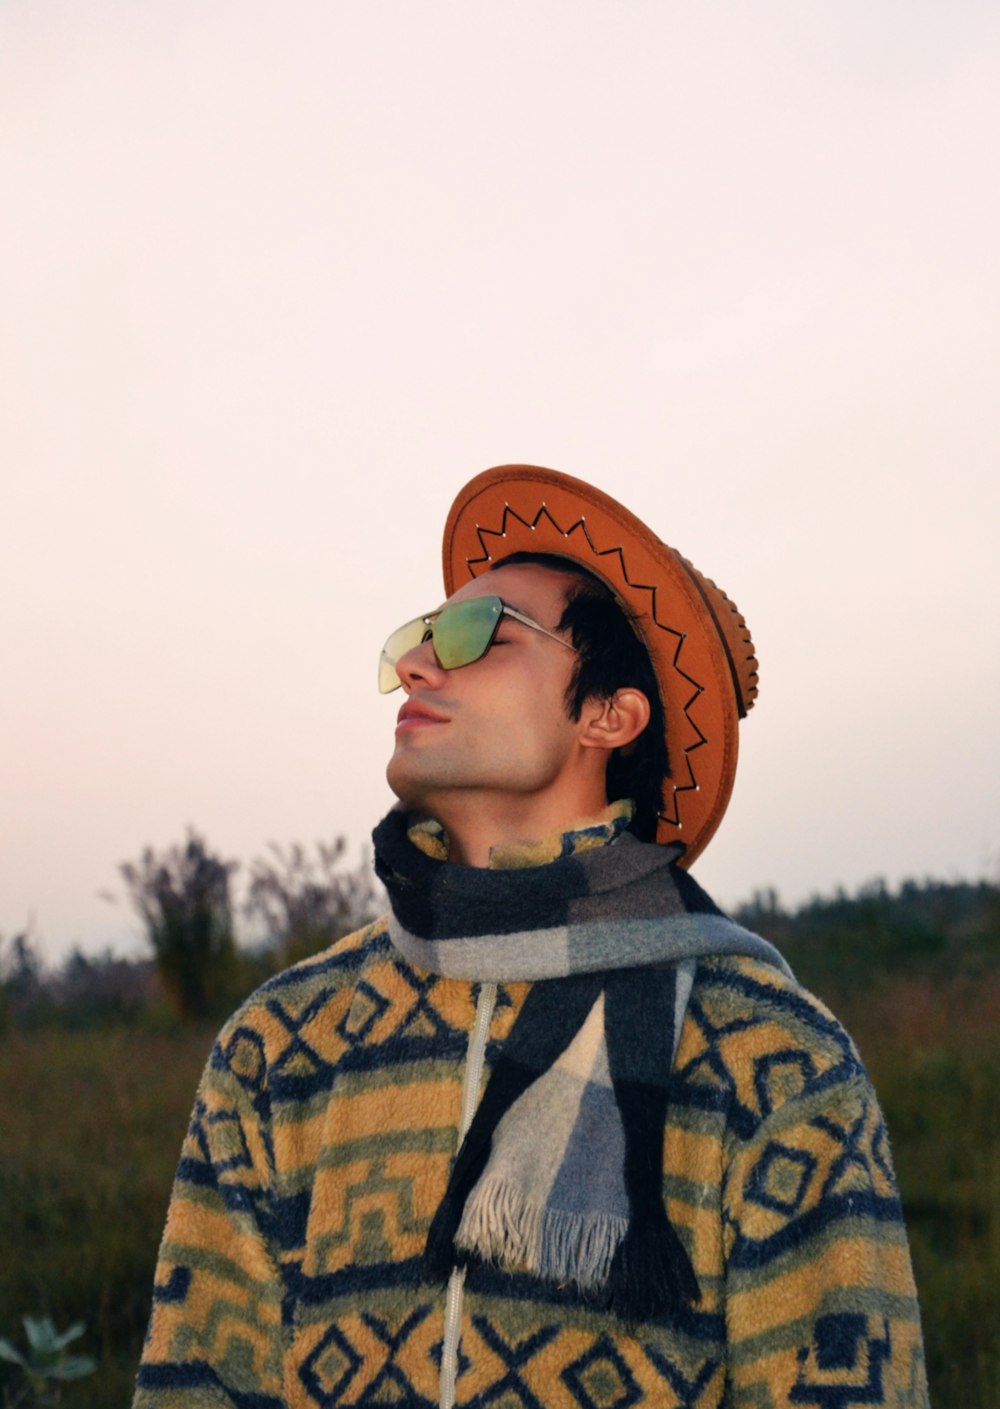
(474, 1060)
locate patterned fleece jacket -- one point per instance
(319, 1150)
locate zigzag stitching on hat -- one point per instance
(692, 784)
(483, 533)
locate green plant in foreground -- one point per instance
(46, 1364)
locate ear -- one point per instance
(615, 723)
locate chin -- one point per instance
(410, 791)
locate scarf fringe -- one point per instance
(501, 1226)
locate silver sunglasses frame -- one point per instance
(429, 619)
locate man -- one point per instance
(556, 1132)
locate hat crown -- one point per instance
(734, 634)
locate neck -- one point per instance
(476, 826)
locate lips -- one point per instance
(413, 715)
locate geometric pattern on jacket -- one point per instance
(319, 1150)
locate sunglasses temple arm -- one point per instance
(527, 621)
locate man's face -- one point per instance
(498, 728)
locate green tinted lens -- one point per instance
(403, 639)
(462, 631)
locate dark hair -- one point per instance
(612, 656)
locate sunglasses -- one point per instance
(461, 632)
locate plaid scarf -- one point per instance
(611, 929)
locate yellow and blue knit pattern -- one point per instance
(319, 1149)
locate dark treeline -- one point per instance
(842, 944)
(299, 903)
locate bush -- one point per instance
(183, 899)
(306, 903)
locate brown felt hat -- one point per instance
(698, 642)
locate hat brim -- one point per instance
(525, 508)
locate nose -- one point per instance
(420, 665)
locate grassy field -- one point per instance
(934, 1055)
(915, 977)
(92, 1122)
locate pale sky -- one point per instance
(275, 281)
